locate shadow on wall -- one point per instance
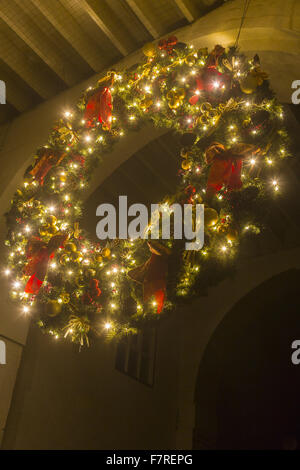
(247, 392)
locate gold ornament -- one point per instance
(149, 50)
(175, 97)
(210, 217)
(252, 80)
(99, 259)
(145, 103)
(106, 252)
(70, 247)
(53, 308)
(186, 164)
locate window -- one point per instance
(136, 356)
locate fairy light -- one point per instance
(107, 325)
(25, 309)
(67, 114)
(7, 272)
(87, 138)
(252, 161)
(17, 284)
(224, 248)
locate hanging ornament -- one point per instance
(153, 273)
(99, 105)
(226, 166)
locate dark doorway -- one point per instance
(248, 389)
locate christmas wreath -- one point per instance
(233, 145)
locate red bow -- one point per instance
(152, 274)
(46, 161)
(168, 44)
(39, 253)
(99, 107)
(226, 166)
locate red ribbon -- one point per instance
(226, 166)
(99, 107)
(152, 274)
(39, 253)
(168, 44)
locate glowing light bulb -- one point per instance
(107, 325)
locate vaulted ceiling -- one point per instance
(47, 46)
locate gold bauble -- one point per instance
(99, 258)
(106, 252)
(63, 178)
(53, 308)
(249, 84)
(70, 247)
(210, 217)
(186, 164)
(149, 50)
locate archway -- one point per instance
(247, 387)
